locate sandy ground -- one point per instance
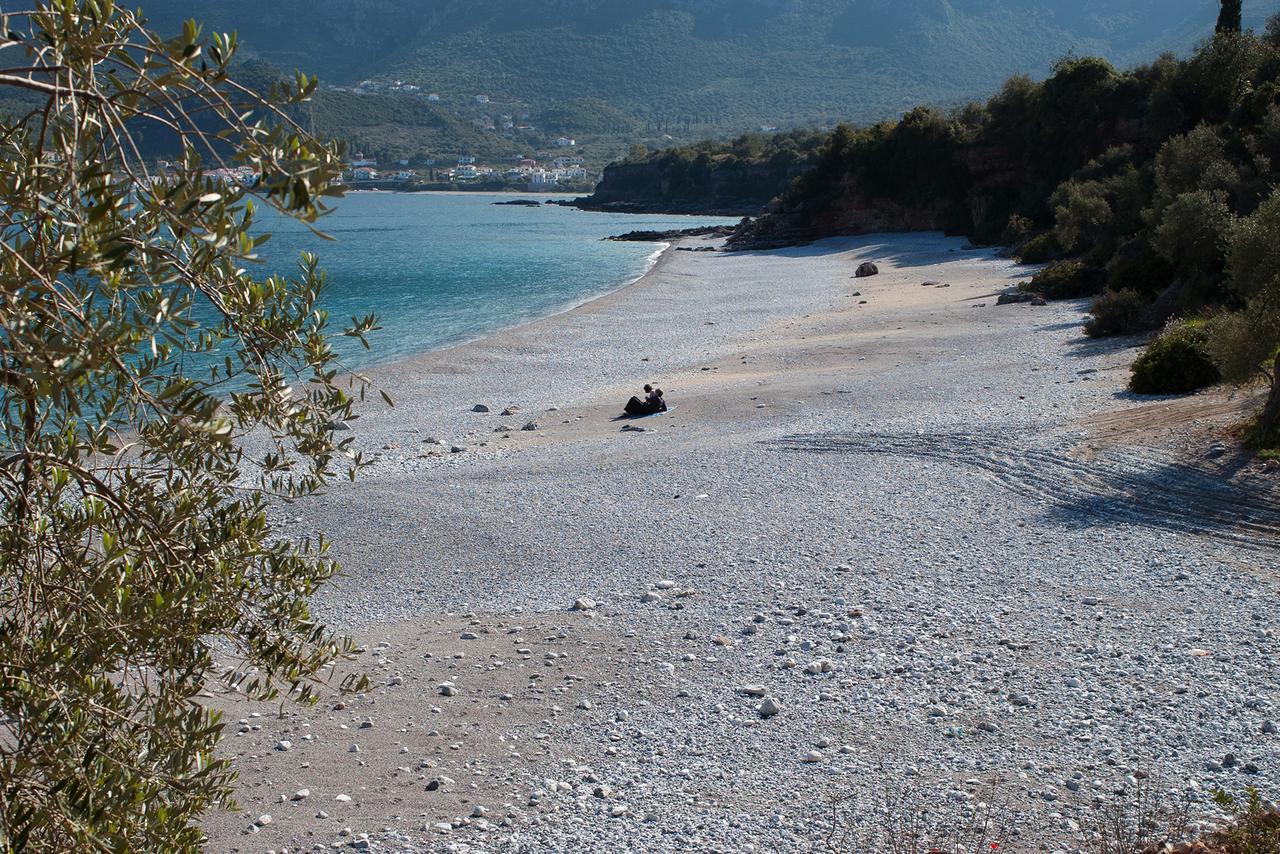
(935, 530)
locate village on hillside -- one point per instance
(527, 172)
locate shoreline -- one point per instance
(655, 261)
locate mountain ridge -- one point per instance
(681, 70)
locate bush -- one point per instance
(1040, 249)
(1116, 313)
(1178, 362)
(1018, 230)
(1068, 280)
(1137, 266)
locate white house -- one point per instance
(541, 178)
(566, 142)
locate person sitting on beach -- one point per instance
(648, 406)
(659, 402)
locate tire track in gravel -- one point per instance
(1146, 489)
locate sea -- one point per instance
(440, 269)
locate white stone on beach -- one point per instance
(301, 795)
(584, 604)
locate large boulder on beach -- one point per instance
(865, 269)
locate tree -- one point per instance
(1249, 343)
(140, 358)
(1229, 18)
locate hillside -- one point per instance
(685, 69)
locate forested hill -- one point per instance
(694, 67)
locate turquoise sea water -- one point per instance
(441, 269)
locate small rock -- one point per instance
(865, 269)
(769, 708)
(441, 784)
(343, 799)
(530, 427)
(301, 795)
(447, 689)
(584, 604)
(480, 407)
(283, 745)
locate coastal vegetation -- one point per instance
(1151, 191)
(137, 561)
(738, 177)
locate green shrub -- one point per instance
(1040, 249)
(1018, 229)
(1177, 362)
(1068, 280)
(1116, 313)
(1137, 266)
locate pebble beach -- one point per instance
(897, 547)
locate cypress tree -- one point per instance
(1229, 17)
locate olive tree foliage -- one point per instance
(1247, 343)
(140, 357)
